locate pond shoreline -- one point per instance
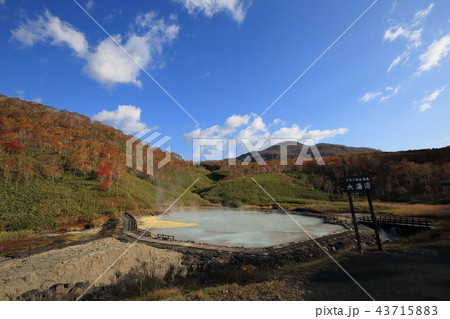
(130, 231)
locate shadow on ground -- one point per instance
(413, 274)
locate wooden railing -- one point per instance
(132, 227)
(407, 221)
(166, 237)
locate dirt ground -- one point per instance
(415, 274)
(412, 274)
(82, 263)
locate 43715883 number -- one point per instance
(407, 310)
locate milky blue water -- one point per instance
(244, 228)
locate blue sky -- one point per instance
(383, 84)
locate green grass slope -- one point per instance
(42, 204)
(244, 191)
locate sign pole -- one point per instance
(374, 220)
(355, 224)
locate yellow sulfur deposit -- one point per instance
(147, 221)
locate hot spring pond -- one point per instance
(237, 227)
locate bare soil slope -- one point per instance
(83, 263)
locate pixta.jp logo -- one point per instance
(214, 149)
(142, 140)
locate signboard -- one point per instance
(358, 184)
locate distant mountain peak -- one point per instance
(326, 149)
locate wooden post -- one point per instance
(355, 224)
(374, 220)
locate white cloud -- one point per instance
(251, 127)
(50, 28)
(438, 50)
(37, 99)
(395, 32)
(447, 138)
(390, 89)
(126, 118)
(425, 103)
(369, 96)
(20, 94)
(424, 107)
(398, 60)
(422, 14)
(433, 95)
(2, 2)
(394, 6)
(236, 8)
(388, 93)
(303, 134)
(414, 41)
(90, 4)
(406, 31)
(234, 122)
(107, 62)
(114, 13)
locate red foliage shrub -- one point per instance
(104, 171)
(13, 146)
(104, 186)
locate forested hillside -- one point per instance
(58, 166)
(408, 176)
(59, 169)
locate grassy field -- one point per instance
(45, 205)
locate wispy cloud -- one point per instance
(394, 6)
(37, 99)
(438, 50)
(236, 8)
(90, 4)
(20, 94)
(398, 31)
(369, 96)
(433, 95)
(424, 107)
(106, 63)
(392, 92)
(422, 14)
(409, 32)
(404, 57)
(2, 2)
(206, 75)
(425, 103)
(126, 118)
(387, 94)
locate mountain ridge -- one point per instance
(325, 149)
